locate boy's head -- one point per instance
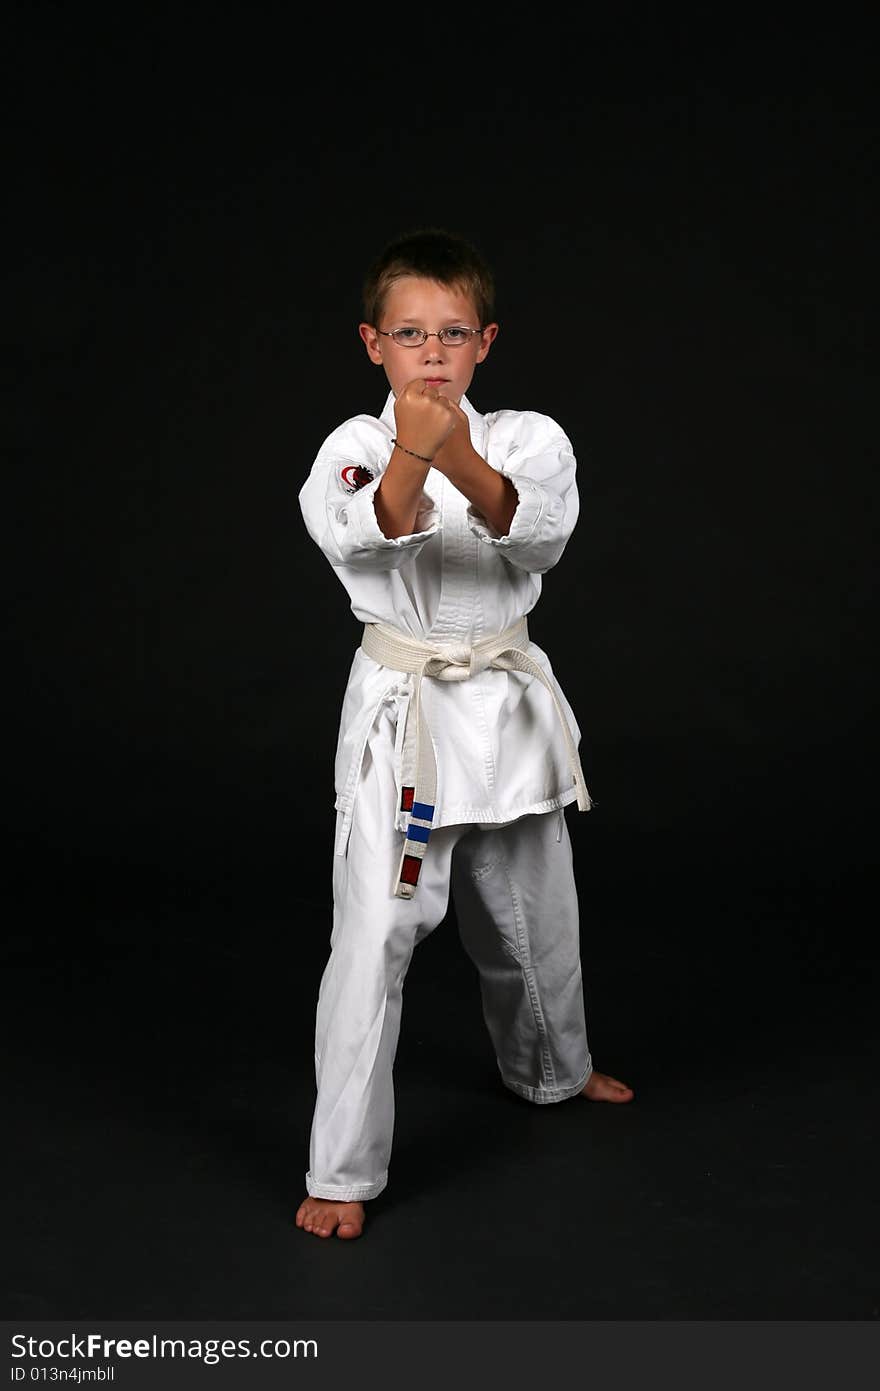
(429, 282)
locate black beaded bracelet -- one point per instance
(412, 452)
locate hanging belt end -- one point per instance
(585, 801)
(407, 878)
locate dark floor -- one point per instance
(160, 1067)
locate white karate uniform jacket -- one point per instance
(499, 747)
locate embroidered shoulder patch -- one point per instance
(354, 476)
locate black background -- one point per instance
(680, 215)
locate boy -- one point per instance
(457, 749)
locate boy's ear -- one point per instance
(488, 338)
(372, 342)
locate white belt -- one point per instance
(447, 662)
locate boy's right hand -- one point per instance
(425, 419)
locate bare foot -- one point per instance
(324, 1216)
(603, 1088)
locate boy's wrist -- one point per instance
(413, 453)
(454, 453)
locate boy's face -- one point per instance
(413, 302)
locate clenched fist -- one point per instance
(425, 419)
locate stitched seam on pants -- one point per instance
(529, 978)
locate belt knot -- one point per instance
(456, 662)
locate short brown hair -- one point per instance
(435, 255)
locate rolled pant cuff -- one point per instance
(543, 1096)
(346, 1193)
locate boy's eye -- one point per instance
(455, 335)
(409, 335)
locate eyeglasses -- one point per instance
(455, 337)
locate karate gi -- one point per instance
(502, 769)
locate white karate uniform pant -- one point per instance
(516, 903)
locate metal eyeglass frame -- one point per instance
(411, 328)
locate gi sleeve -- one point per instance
(337, 504)
(535, 454)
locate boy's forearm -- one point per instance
(491, 493)
(398, 495)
